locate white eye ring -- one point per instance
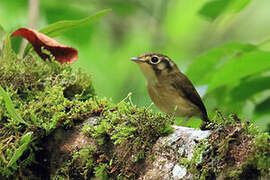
(154, 60)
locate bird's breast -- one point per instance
(170, 100)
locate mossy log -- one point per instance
(187, 153)
(57, 128)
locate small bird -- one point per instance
(170, 90)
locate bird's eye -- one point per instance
(154, 60)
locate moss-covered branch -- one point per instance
(76, 135)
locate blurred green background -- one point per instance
(222, 45)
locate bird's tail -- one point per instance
(205, 117)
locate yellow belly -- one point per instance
(170, 101)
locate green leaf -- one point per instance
(10, 107)
(25, 140)
(263, 107)
(215, 8)
(238, 5)
(262, 114)
(262, 120)
(205, 66)
(240, 67)
(60, 27)
(122, 7)
(243, 91)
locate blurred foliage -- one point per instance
(215, 8)
(220, 44)
(60, 27)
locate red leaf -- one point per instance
(62, 54)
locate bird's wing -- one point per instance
(183, 84)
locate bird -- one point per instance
(170, 90)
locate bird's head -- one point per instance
(155, 65)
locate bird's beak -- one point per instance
(137, 60)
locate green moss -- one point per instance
(46, 95)
(81, 165)
(234, 150)
(260, 157)
(101, 171)
(124, 136)
(128, 135)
